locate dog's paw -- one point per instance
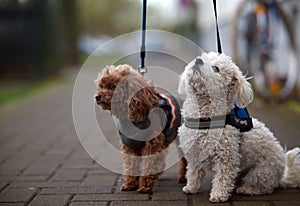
(125, 187)
(245, 190)
(251, 190)
(218, 198)
(190, 190)
(145, 190)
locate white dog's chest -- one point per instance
(206, 146)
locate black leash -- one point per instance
(217, 28)
(142, 68)
(238, 117)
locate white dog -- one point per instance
(253, 161)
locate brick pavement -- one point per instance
(43, 163)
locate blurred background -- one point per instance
(41, 39)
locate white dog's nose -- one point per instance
(199, 61)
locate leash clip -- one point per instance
(142, 70)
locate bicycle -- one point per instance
(264, 44)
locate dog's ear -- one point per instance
(141, 96)
(181, 87)
(244, 92)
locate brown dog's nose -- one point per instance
(97, 97)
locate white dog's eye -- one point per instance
(216, 69)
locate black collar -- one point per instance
(233, 119)
(206, 123)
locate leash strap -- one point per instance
(217, 28)
(142, 68)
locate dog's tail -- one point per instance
(291, 177)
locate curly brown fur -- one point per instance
(117, 85)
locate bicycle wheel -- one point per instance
(275, 67)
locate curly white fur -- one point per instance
(252, 161)
(292, 173)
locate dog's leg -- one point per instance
(226, 170)
(182, 164)
(130, 183)
(130, 169)
(147, 183)
(182, 170)
(194, 175)
(261, 180)
(154, 155)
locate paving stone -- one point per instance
(71, 147)
(100, 180)
(77, 190)
(110, 197)
(287, 191)
(12, 145)
(202, 199)
(17, 195)
(252, 203)
(172, 182)
(2, 185)
(77, 164)
(169, 174)
(44, 184)
(43, 144)
(169, 195)
(69, 175)
(271, 197)
(60, 149)
(149, 203)
(42, 167)
(89, 204)
(286, 203)
(23, 178)
(13, 166)
(96, 169)
(50, 200)
(79, 153)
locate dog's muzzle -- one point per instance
(197, 65)
(199, 61)
(98, 99)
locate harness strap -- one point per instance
(134, 135)
(243, 121)
(171, 105)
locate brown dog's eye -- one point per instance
(111, 87)
(216, 69)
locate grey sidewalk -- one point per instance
(43, 163)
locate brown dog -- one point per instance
(145, 134)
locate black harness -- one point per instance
(238, 118)
(137, 133)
